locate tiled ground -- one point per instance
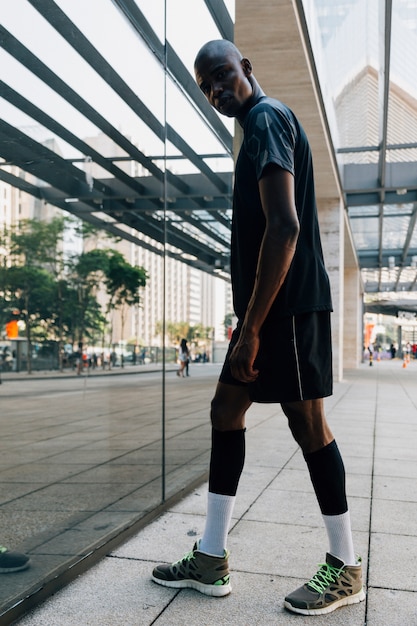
(277, 536)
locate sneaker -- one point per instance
(196, 570)
(334, 585)
(12, 561)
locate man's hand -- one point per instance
(243, 357)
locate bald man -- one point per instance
(281, 348)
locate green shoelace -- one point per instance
(326, 575)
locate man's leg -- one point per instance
(339, 581)
(206, 567)
(228, 409)
(310, 429)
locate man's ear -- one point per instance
(247, 66)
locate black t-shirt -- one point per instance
(272, 134)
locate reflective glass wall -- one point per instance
(107, 142)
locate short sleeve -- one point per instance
(269, 138)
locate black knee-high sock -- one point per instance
(227, 460)
(327, 474)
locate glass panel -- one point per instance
(81, 446)
(365, 233)
(198, 225)
(394, 232)
(402, 123)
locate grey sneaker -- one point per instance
(196, 570)
(334, 585)
(12, 561)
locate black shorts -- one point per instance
(294, 360)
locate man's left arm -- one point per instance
(276, 188)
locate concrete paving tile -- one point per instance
(405, 452)
(395, 488)
(193, 504)
(358, 485)
(390, 563)
(388, 607)
(281, 507)
(394, 467)
(167, 539)
(134, 599)
(394, 517)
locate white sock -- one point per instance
(219, 514)
(340, 537)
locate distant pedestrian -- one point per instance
(183, 357)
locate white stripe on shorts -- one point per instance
(297, 360)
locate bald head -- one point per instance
(218, 48)
(225, 77)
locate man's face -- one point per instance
(224, 80)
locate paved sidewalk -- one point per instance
(277, 537)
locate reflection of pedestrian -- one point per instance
(79, 359)
(281, 298)
(12, 561)
(371, 354)
(183, 357)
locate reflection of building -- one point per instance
(190, 295)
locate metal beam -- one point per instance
(170, 61)
(69, 31)
(222, 18)
(68, 181)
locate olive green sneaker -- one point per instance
(334, 585)
(196, 570)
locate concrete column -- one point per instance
(353, 324)
(331, 218)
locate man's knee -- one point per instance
(228, 408)
(223, 417)
(308, 424)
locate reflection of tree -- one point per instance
(29, 277)
(57, 297)
(123, 283)
(175, 331)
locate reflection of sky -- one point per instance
(346, 39)
(113, 36)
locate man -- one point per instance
(282, 301)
